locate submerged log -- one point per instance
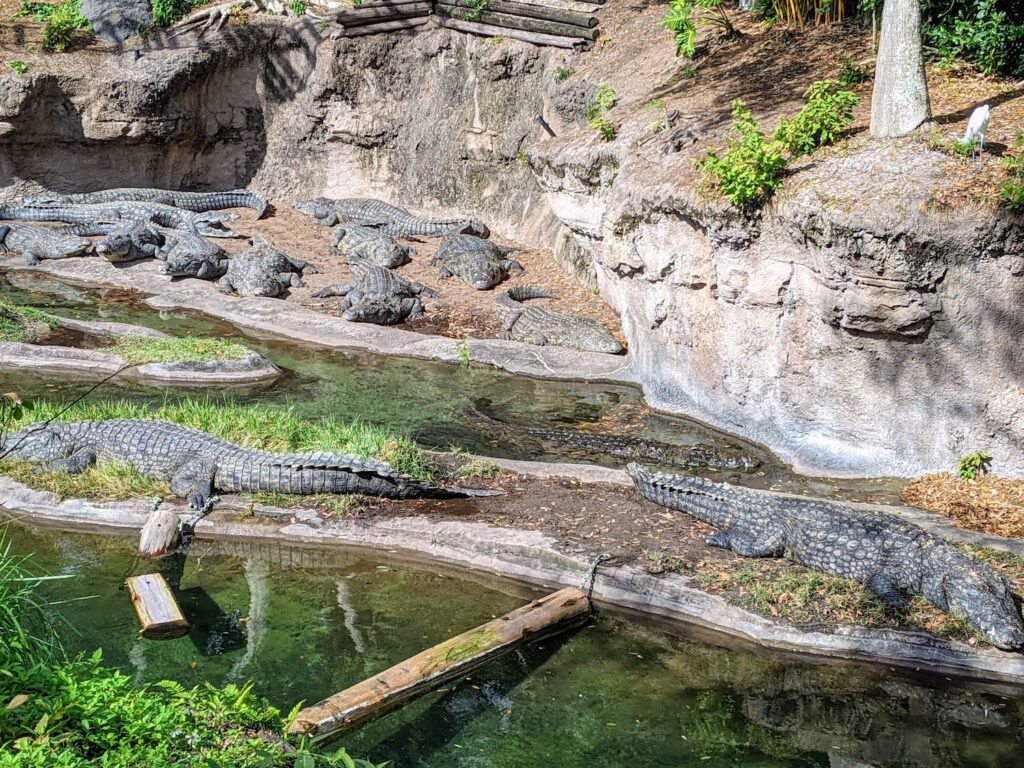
(490, 30)
(521, 23)
(448, 660)
(161, 533)
(530, 11)
(154, 604)
(383, 13)
(386, 26)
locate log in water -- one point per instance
(154, 604)
(160, 534)
(448, 660)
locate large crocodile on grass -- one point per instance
(542, 326)
(480, 263)
(38, 243)
(198, 464)
(887, 555)
(263, 270)
(378, 296)
(369, 246)
(190, 201)
(164, 215)
(368, 212)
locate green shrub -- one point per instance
(297, 7)
(963, 148)
(679, 21)
(826, 112)
(597, 118)
(167, 12)
(1012, 191)
(750, 169)
(989, 33)
(564, 74)
(62, 24)
(18, 67)
(973, 464)
(476, 7)
(851, 74)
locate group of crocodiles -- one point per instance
(173, 226)
(891, 557)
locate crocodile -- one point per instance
(369, 246)
(124, 241)
(542, 326)
(378, 296)
(190, 201)
(38, 243)
(886, 554)
(263, 270)
(198, 464)
(186, 254)
(391, 219)
(93, 213)
(480, 263)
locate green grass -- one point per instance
(63, 23)
(477, 469)
(18, 67)
(112, 481)
(139, 350)
(13, 321)
(266, 427)
(331, 505)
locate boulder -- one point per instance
(117, 20)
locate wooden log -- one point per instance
(384, 13)
(161, 533)
(154, 604)
(521, 23)
(489, 30)
(577, 6)
(444, 662)
(386, 26)
(531, 11)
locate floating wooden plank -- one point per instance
(530, 11)
(154, 604)
(490, 30)
(520, 23)
(448, 660)
(386, 26)
(161, 533)
(384, 13)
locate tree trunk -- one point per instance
(900, 100)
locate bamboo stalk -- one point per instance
(530, 11)
(156, 608)
(444, 662)
(510, 21)
(490, 30)
(386, 26)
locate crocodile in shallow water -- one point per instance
(369, 246)
(39, 243)
(535, 325)
(190, 201)
(480, 263)
(198, 464)
(378, 296)
(96, 213)
(391, 219)
(887, 555)
(263, 270)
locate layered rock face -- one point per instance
(849, 326)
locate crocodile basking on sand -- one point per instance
(123, 241)
(369, 246)
(198, 464)
(186, 254)
(542, 326)
(480, 263)
(263, 270)
(887, 555)
(96, 213)
(368, 212)
(378, 296)
(190, 201)
(39, 243)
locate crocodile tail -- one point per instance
(252, 200)
(697, 496)
(526, 292)
(462, 493)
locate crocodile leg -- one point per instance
(73, 464)
(4, 230)
(194, 481)
(885, 589)
(31, 257)
(512, 266)
(746, 544)
(934, 591)
(334, 290)
(415, 308)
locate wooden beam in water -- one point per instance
(154, 604)
(448, 660)
(161, 533)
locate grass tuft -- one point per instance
(16, 321)
(139, 350)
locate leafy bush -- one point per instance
(167, 12)
(18, 67)
(564, 74)
(597, 118)
(62, 24)
(826, 112)
(751, 167)
(1012, 191)
(964, 148)
(988, 32)
(973, 464)
(679, 21)
(851, 74)
(297, 7)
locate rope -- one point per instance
(587, 584)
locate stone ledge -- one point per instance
(531, 557)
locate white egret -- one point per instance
(977, 127)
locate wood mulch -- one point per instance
(989, 504)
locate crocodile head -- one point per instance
(593, 337)
(477, 228)
(128, 242)
(36, 442)
(975, 591)
(190, 264)
(317, 207)
(379, 310)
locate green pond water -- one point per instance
(439, 405)
(306, 623)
